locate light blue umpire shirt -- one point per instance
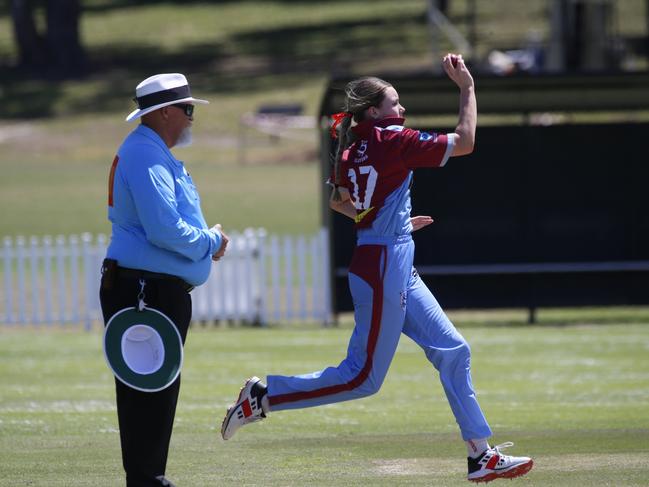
(154, 207)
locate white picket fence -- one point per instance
(262, 279)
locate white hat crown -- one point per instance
(159, 91)
(160, 82)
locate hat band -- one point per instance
(164, 96)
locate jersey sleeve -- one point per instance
(425, 149)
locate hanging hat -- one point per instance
(160, 91)
(143, 349)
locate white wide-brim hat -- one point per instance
(160, 91)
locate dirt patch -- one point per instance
(15, 131)
(417, 466)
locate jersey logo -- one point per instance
(360, 152)
(362, 215)
(424, 136)
(362, 148)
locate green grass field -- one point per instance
(574, 396)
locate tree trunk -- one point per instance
(646, 13)
(66, 54)
(31, 46)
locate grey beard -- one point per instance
(185, 138)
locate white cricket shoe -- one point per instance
(246, 409)
(492, 465)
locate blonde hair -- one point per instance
(360, 94)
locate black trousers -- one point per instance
(146, 418)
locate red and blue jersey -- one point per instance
(377, 171)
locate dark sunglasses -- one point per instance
(186, 108)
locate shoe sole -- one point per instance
(512, 473)
(225, 421)
(228, 415)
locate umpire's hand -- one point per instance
(224, 243)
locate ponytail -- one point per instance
(344, 119)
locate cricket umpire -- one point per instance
(160, 248)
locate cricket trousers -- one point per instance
(389, 299)
(146, 418)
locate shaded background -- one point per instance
(69, 68)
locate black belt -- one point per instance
(138, 273)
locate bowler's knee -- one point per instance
(369, 386)
(458, 357)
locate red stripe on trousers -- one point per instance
(366, 264)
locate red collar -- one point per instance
(366, 126)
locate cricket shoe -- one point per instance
(492, 465)
(246, 409)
